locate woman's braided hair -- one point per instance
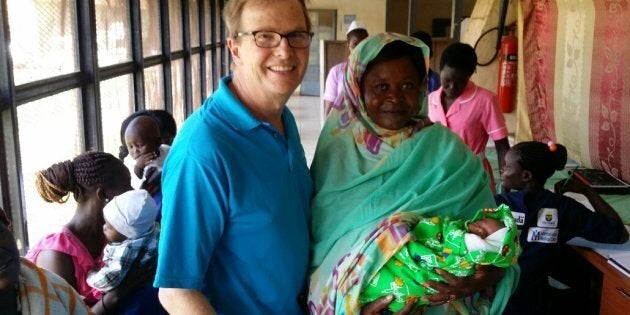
(83, 172)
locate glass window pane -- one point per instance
(217, 62)
(209, 78)
(43, 38)
(116, 104)
(43, 142)
(112, 32)
(151, 35)
(207, 16)
(217, 22)
(193, 10)
(175, 24)
(154, 88)
(196, 88)
(177, 82)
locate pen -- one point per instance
(566, 181)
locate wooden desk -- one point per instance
(615, 296)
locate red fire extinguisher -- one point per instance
(508, 60)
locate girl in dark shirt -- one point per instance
(547, 220)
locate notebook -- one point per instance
(601, 181)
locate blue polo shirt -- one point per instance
(236, 210)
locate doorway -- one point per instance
(325, 27)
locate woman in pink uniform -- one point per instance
(470, 111)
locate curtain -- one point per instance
(574, 79)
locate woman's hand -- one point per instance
(379, 307)
(459, 287)
(571, 184)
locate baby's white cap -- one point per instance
(131, 213)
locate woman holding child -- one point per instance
(93, 178)
(377, 157)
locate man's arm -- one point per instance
(184, 301)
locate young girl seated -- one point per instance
(131, 231)
(546, 220)
(455, 246)
(146, 153)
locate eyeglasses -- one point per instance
(268, 39)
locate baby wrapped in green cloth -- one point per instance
(455, 246)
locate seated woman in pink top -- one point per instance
(93, 178)
(470, 111)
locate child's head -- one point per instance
(129, 215)
(122, 151)
(484, 227)
(532, 162)
(166, 122)
(142, 136)
(496, 234)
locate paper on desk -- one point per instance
(621, 262)
(606, 250)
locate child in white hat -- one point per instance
(130, 229)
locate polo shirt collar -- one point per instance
(234, 112)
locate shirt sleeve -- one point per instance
(332, 82)
(494, 122)
(590, 225)
(130, 162)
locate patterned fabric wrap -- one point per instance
(43, 292)
(438, 243)
(364, 177)
(118, 258)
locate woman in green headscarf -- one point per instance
(378, 166)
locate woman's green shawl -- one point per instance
(361, 178)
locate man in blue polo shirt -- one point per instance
(236, 187)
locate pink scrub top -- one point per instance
(474, 116)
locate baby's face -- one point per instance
(111, 234)
(138, 145)
(484, 227)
